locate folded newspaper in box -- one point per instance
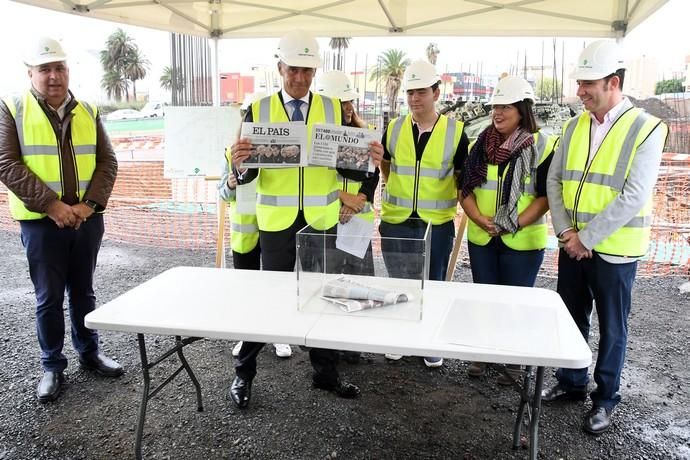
(352, 296)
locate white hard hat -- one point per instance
(600, 59)
(511, 89)
(420, 74)
(336, 84)
(43, 51)
(299, 49)
(249, 99)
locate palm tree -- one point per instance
(135, 67)
(339, 44)
(390, 69)
(170, 81)
(114, 84)
(122, 62)
(432, 52)
(166, 79)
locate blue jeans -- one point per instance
(62, 259)
(610, 286)
(396, 253)
(496, 263)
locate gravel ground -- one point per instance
(405, 410)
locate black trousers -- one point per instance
(63, 259)
(278, 252)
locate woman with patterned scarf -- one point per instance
(504, 197)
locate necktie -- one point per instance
(297, 113)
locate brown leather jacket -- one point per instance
(29, 188)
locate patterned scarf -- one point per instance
(489, 148)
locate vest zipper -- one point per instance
(301, 189)
(499, 187)
(417, 167)
(76, 168)
(59, 155)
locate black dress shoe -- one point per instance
(49, 386)
(340, 388)
(241, 392)
(102, 365)
(597, 420)
(559, 393)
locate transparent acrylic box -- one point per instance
(393, 264)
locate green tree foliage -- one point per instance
(123, 63)
(389, 71)
(170, 81)
(546, 89)
(669, 86)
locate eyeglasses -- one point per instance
(502, 108)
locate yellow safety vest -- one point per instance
(41, 149)
(488, 195)
(589, 189)
(282, 193)
(245, 232)
(353, 186)
(426, 186)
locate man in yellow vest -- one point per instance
(58, 164)
(424, 153)
(244, 240)
(290, 198)
(599, 188)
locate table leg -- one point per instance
(149, 394)
(183, 360)
(536, 411)
(524, 400)
(144, 397)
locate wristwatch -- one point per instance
(91, 204)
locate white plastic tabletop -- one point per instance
(460, 320)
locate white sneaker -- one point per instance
(433, 362)
(236, 349)
(393, 356)
(283, 350)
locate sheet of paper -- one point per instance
(467, 323)
(245, 196)
(354, 237)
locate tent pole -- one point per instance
(215, 83)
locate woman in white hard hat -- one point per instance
(504, 196)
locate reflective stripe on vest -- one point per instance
(426, 186)
(40, 148)
(530, 237)
(590, 186)
(317, 187)
(245, 232)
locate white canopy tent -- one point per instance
(357, 18)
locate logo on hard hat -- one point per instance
(306, 50)
(584, 62)
(46, 48)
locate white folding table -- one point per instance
(473, 322)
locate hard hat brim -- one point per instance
(505, 100)
(45, 60)
(586, 74)
(420, 84)
(297, 61)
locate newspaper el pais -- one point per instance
(342, 147)
(275, 145)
